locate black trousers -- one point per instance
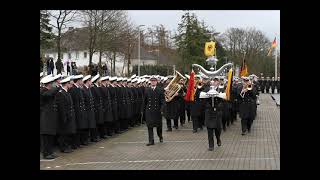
(93, 133)
(268, 90)
(224, 122)
(188, 114)
(195, 122)
(101, 130)
(76, 139)
(138, 120)
(64, 141)
(182, 117)
(150, 133)
(132, 120)
(108, 126)
(124, 124)
(47, 143)
(272, 90)
(278, 91)
(116, 126)
(143, 119)
(201, 121)
(175, 123)
(217, 132)
(246, 124)
(84, 136)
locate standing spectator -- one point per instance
(105, 69)
(73, 68)
(48, 65)
(51, 64)
(59, 66)
(68, 69)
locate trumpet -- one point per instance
(244, 90)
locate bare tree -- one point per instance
(61, 19)
(91, 21)
(250, 44)
(112, 26)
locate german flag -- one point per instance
(244, 69)
(273, 45)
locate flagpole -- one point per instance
(276, 48)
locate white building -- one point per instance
(74, 49)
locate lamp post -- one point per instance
(139, 50)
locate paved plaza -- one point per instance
(182, 149)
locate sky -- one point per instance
(267, 21)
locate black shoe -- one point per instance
(161, 139)
(169, 130)
(104, 137)
(244, 133)
(224, 128)
(201, 128)
(150, 143)
(194, 131)
(210, 149)
(54, 155)
(49, 157)
(67, 151)
(85, 143)
(74, 147)
(95, 140)
(219, 142)
(176, 127)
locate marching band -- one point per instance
(78, 110)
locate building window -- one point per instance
(85, 54)
(69, 55)
(77, 55)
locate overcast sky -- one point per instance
(268, 21)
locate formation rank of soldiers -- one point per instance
(78, 110)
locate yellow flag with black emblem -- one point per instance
(210, 49)
(229, 85)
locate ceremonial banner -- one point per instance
(190, 91)
(210, 49)
(244, 69)
(229, 85)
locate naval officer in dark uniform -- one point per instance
(153, 106)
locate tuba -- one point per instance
(173, 87)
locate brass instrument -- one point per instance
(244, 90)
(173, 87)
(198, 83)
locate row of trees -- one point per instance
(232, 46)
(107, 32)
(110, 32)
